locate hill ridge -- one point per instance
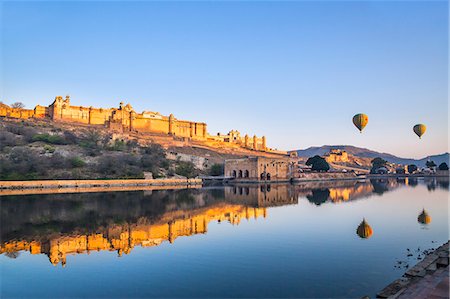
(368, 153)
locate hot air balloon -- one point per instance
(419, 129)
(424, 218)
(360, 121)
(364, 230)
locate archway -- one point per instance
(246, 174)
(234, 173)
(263, 176)
(268, 176)
(240, 173)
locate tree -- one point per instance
(216, 170)
(318, 196)
(186, 169)
(377, 163)
(18, 105)
(412, 168)
(318, 163)
(430, 164)
(443, 166)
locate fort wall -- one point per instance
(125, 119)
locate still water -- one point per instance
(253, 241)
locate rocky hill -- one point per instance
(366, 153)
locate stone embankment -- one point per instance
(428, 279)
(25, 187)
(326, 176)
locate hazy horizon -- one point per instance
(295, 72)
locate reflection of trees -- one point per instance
(413, 182)
(379, 185)
(12, 255)
(444, 184)
(431, 184)
(318, 196)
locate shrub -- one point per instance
(76, 162)
(8, 139)
(52, 139)
(49, 148)
(70, 137)
(412, 168)
(118, 145)
(216, 170)
(186, 169)
(119, 166)
(90, 139)
(443, 166)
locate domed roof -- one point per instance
(364, 230)
(424, 218)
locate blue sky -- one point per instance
(294, 71)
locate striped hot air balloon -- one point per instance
(360, 121)
(419, 129)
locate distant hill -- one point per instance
(366, 153)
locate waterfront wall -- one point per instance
(97, 183)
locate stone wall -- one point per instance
(124, 119)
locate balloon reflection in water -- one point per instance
(364, 230)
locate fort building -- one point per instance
(259, 169)
(125, 119)
(123, 238)
(336, 155)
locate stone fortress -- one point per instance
(125, 119)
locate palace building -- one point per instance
(260, 169)
(125, 119)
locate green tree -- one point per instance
(443, 166)
(430, 164)
(186, 169)
(412, 168)
(318, 163)
(377, 163)
(216, 170)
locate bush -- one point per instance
(186, 169)
(23, 164)
(153, 158)
(412, 168)
(90, 139)
(70, 137)
(443, 166)
(8, 139)
(216, 170)
(52, 139)
(118, 145)
(119, 166)
(430, 164)
(76, 162)
(49, 148)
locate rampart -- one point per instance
(125, 119)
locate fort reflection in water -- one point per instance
(63, 224)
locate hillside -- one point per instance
(366, 153)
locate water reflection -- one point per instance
(364, 230)
(58, 225)
(424, 218)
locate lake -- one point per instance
(276, 240)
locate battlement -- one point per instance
(125, 119)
